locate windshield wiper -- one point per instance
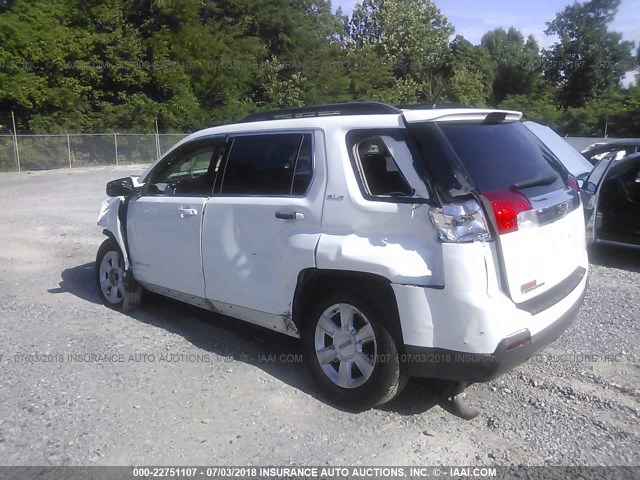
(536, 182)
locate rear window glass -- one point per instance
(501, 156)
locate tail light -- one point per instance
(512, 211)
(460, 223)
(573, 183)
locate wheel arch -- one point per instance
(108, 233)
(371, 285)
(113, 219)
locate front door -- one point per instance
(164, 223)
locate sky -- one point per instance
(473, 18)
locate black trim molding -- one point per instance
(445, 364)
(553, 295)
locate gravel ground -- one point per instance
(174, 385)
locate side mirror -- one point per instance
(123, 187)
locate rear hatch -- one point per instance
(524, 188)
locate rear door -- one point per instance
(262, 227)
(536, 217)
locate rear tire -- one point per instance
(118, 289)
(350, 349)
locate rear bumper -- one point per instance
(452, 365)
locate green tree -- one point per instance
(411, 34)
(299, 41)
(110, 66)
(516, 62)
(617, 114)
(180, 58)
(36, 48)
(628, 122)
(120, 64)
(372, 77)
(365, 25)
(539, 108)
(588, 60)
(417, 40)
(84, 66)
(472, 73)
(319, 54)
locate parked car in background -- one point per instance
(611, 197)
(613, 150)
(444, 243)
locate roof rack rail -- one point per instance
(353, 108)
(433, 106)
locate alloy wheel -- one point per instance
(345, 345)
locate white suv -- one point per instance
(428, 242)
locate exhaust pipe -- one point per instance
(453, 402)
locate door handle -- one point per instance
(290, 216)
(187, 212)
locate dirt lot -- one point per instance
(171, 384)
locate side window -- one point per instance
(379, 169)
(191, 171)
(269, 164)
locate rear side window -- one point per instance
(503, 156)
(380, 172)
(269, 164)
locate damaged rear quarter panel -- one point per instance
(399, 259)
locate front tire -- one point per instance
(116, 290)
(350, 350)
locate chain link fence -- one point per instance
(44, 152)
